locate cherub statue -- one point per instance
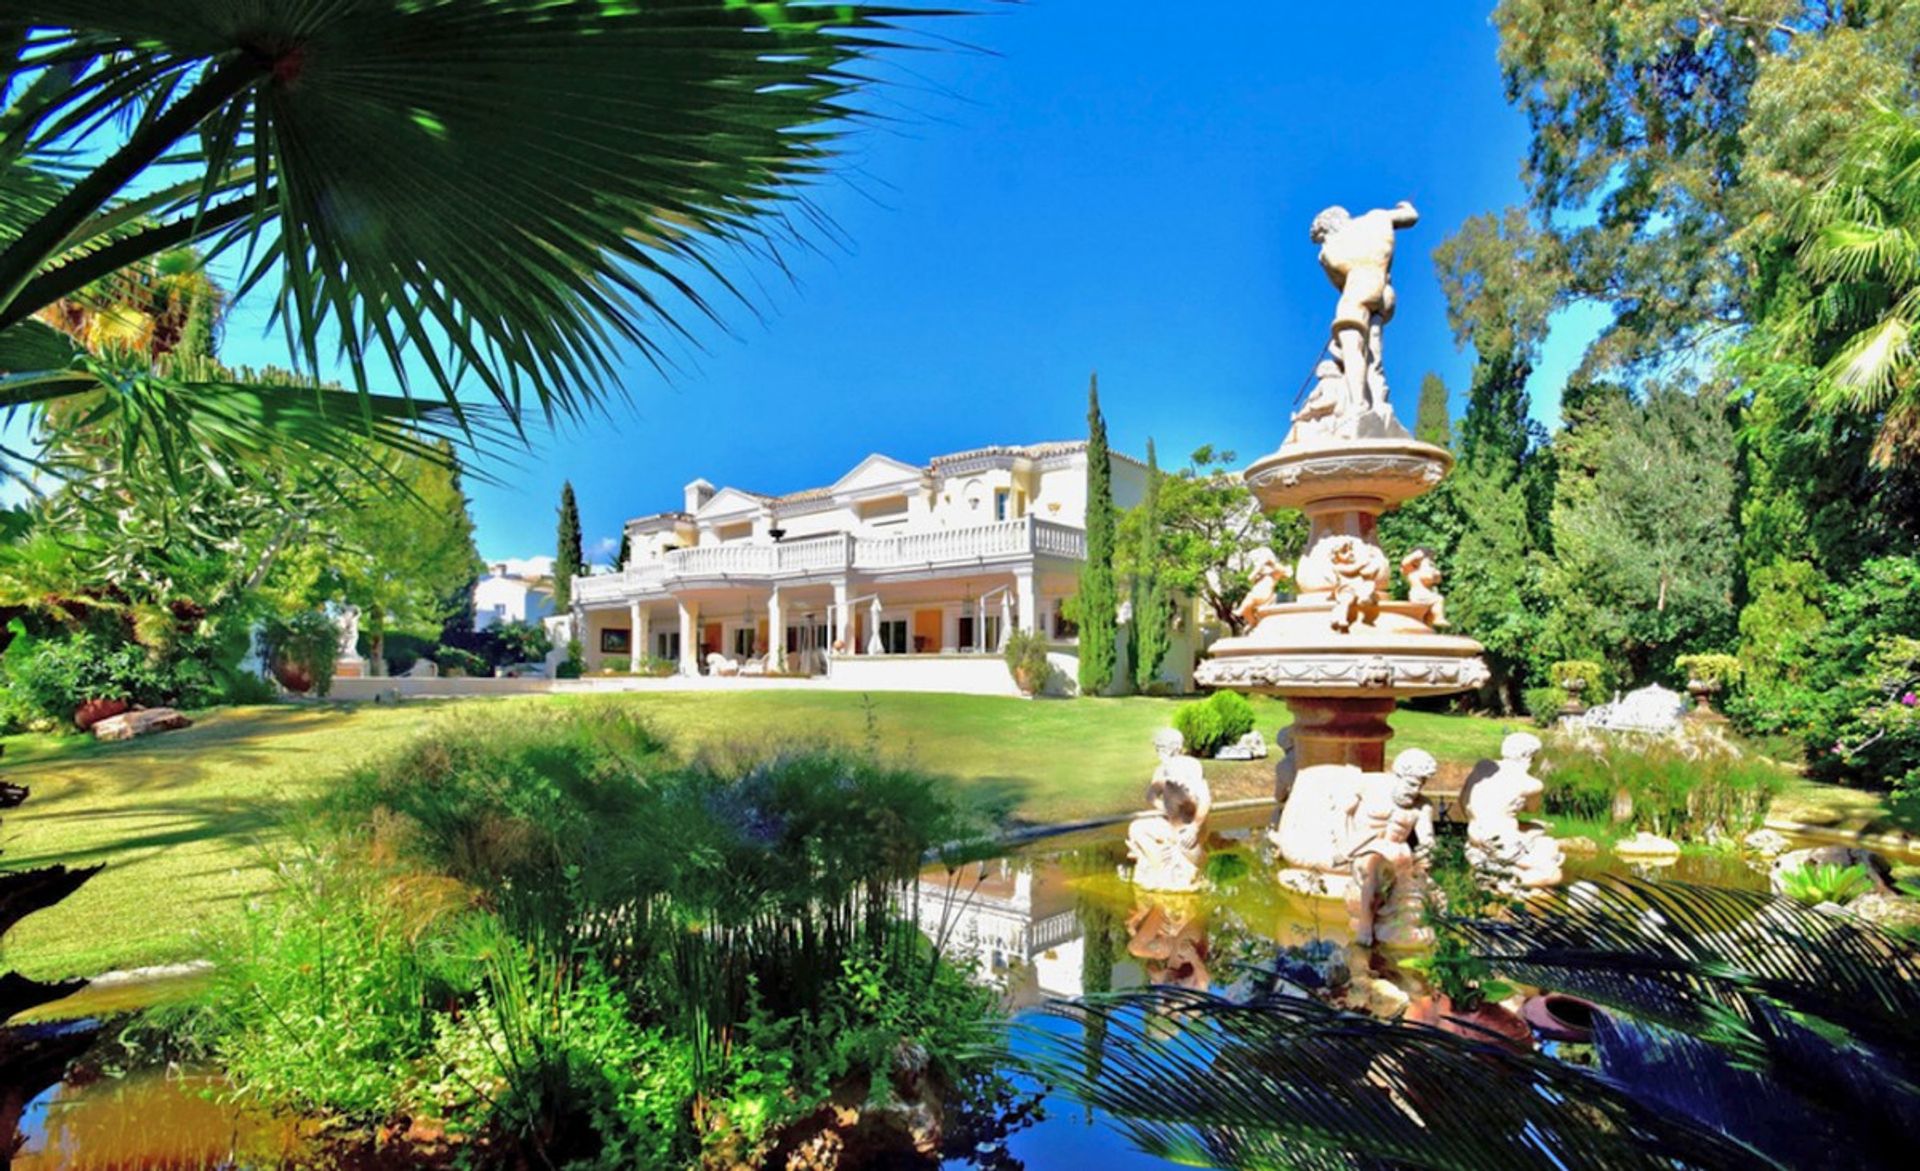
(1513, 852)
(1268, 573)
(1168, 845)
(1389, 833)
(1325, 404)
(1359, 579)
(1357, 254)
(1423, 586)
(350, 633)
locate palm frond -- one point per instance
(507, 191)
(1287, 1082)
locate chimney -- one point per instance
(698, 493)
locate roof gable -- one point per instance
(875, 473)
(730, 502)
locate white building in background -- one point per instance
(514, 590)
(896, 576)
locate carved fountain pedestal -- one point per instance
(1342, 653)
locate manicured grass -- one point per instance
(188, 821)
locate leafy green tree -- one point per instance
(1433, 423)
(1209, 523)
(1152, 608)
(1098, 613)
(1645, 553)
(1660, 128)
(135, 128)
(568, 560)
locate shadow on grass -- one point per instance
(178, 823)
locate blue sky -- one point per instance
(1100, 187)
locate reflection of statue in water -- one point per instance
(1285, 770)
(1497, 841)
(1357, 254)
(1168, 845)
(1389, 832)
(1268, 574)
(1170, 937)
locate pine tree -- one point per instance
(1431, 424)
(625, 551)
(1099, 604)
(1151, 636)
(568, 561)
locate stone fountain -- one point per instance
(1343, 651)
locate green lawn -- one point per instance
(187, 821)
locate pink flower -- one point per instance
(1910, 699)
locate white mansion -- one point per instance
(895, 576)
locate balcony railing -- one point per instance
(1027, 537)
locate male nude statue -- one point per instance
(1357, 254)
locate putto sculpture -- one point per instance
(1357, 254)
(1511, 852)
(1360, 580)
(1269, 573)
(1423, 587)
(1389, 834)
(1168, 844)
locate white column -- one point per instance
(776, 632)
(1027, 600)
(689, 630)
(841, 632)
(642, 636)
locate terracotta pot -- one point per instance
(1556, 1016)
(94, 710)
(293, 676)
(1490, 1023)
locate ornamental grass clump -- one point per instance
(569, 945)
(1687, 791)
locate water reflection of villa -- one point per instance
(1016, 918)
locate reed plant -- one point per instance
(1686, 791)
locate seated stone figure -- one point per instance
(1513, 852)
(1389, 834)
(1168, 845)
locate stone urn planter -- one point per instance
(1573, 687)
(1556, 1016)
(94, 710)
(1703, 691)
(293, 676)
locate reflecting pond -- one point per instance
(1054, 919)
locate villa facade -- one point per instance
(897, 576)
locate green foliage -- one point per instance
(1099, 596)
(518, 642)
(1826, 883)
(1719, 670)
(575, 664)
(307, 639)
(1026, 655)
(1151, 627)
(452, 658)
(1210, 724)
(1706, 796)
(1591, 673)
(1544, 704)
(569, 561)
(1433, 420)
(549, 932)
(1207, 519)
(1457, 894)
(47, 679)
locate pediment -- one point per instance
(876, 473)
(730, 502)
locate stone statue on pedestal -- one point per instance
(1168, 845)
(1510, 851)
(1357, 254)
(350, 633)
(1389, 833)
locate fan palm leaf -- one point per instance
(504, 192)
(1286, 1082)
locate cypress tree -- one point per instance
(625, 551)
(1432, 424)
(568, 561)
(1099, 602)
(1151, 637)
